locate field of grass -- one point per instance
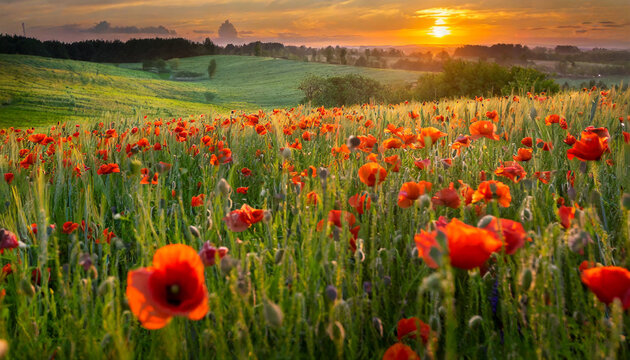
(311, 271)
(39, 91)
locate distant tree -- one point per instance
(341, 54)
(258, 49)
(212, 68)
(209, 47)
(173, 64)
(330, 54)
(361, 61)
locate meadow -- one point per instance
(37, 91)
(469, 228)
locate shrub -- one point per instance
(341, 90)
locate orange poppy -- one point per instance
(511, 170)
(173, 286)
(492, 189)
(424, 243)
(512, 233)
(430, 132)
(523, 154)
(400, 351)
(609, 283)
(528, 141)
(391, 143)
(483, 128)
(372, 174)
(411, 191)
(69, 227)
(469, 247)
(360, 202)
(312, 198)
(197, 200)
(566, 214)
(108, 169)
(590, 147)
(243, 218)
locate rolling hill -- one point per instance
(38, 91)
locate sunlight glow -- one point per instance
(439, 31)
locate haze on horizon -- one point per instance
(603, 23)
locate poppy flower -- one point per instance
(372, 174)
(173, 286)
(246, 172)
(242, 190)
(609, 283)
(446, 197)
(339, 219)
(243, 218)
(391, 143)
(400, 351)
(545, 146)
(590, 147)
(527, 141)
(422, 164)
(523, 154)
(492, 189)
(146, 180)
(360, 202)
(209, 253)
(8, 240)
(553, 119)
(511, 170)
(312, 198)
(411, 191)
(197, 200)
(483, 128)
(469, 247)
(424, 243)
(566, 214)
(411, 328)
(27, 161)
(429, 132)
(8, 177)
(511, 232)
(108, 169)
(69, 227)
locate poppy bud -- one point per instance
(331, 292)
(424, 201)
(107, 342)
(526, 279)
(85, 260)
(526, 215)
(353, 142)
(273, 313)
(484, 221)
(475, 321)
(227, 264)
(194, 231)
(106, 285)
(286, 153)
(267, 216)
(378, 326)
(224, 187)
(279, 256)
(431, 283)
(435, 323)
(367, 287)
(27, 288)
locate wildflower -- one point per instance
(372, 174)
(108, 169)
(590, 147)
(8, 240)
(8, 177)
(209, 253)
(242, 190)
(511, 232)
(411, 191)
(447, 197)
(483, 128)
(493, 189)
(400, 351)
(566, 213)
(173, 286)
(511, 170)
(411, 328)
(609, 283)
(69, 227)
(469, 247)
(197, 200)
(243, 218)
(360, 202)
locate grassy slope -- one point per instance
(35, 90)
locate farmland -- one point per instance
(468, 228)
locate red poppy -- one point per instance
(8, 240)
(411, 191)
(246, 172)
(108, 169)
(553, 119)
(242, 190)
(8, 177)
(412, 327)
(566, 213)
(197, 200)
(424, 243)
(590, 147)
(339, 219)
(372, 174)
(512, 233)
(69, 227)
(360, 202)
(527, 141)
(400, 351)
(511, 170)
(492, 189)
(446, 197)
(312, 198)
(209, 253)
(173, 286)
(545, 146)
(243, 218)
(609, 283)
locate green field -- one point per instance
(37, 91)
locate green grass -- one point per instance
(287, 261)
(39, 91)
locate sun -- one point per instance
(439, 31)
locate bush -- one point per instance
(341, 90)
(212, 68)
(210, 96)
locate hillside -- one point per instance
(36, 90)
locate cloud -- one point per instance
(568, 27)
(202, 31)
(105, 27)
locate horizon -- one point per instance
(323, 23)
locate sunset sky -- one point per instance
(602, 23)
